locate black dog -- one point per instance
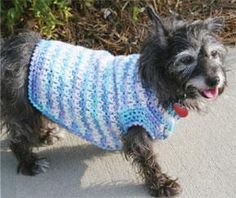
(181, 61)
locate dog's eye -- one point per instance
(214, 54)
(187, 60)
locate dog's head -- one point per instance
(184, 60)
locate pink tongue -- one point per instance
(211, 93)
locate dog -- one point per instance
(180, 67)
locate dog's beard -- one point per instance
(199, 94)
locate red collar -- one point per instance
(180, 110)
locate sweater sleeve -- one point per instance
(143, 117)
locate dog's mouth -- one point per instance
(211, 93)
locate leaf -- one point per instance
(136, 12)
(89, 3)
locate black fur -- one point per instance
(138, 147)
(175, 56)
(169, 38)
(22, 121)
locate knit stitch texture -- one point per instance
(94, 94)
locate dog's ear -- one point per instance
(159, 29)
(214, 24)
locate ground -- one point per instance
(201, 153)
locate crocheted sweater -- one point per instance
(94, 94)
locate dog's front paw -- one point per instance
(33, 166)
(169, 188)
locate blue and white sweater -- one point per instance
(94, 94)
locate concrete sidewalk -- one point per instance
(201, 153)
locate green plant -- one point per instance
(48, 14)
(12, 14)
(136, 12)
(89, 3)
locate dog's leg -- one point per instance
(29, 162)
(138, 147)
(22, 146)
(23, 123)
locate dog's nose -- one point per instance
(212, 82)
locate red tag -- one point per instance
(180, 110)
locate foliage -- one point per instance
(89, 3)
(136, 13)
(48, 14)
(12, 14)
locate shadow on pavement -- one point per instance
(63, 179)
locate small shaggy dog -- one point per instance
(114, 102)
